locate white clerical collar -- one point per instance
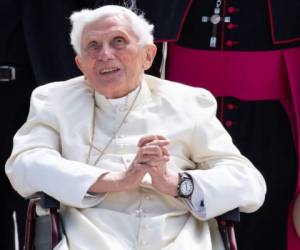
(124, 99)
(107, 104)
(145, 96)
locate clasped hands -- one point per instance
(152, 157)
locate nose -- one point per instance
(106, 53)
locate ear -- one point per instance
(150, 52)
(79, 63)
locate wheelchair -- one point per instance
(39, 237)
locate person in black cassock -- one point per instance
(34, 49)
(247, 53)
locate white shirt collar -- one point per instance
(109, 104)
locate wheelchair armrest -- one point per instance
(48, 224)
(44, 200)
(47, 201)
(226, 227)
(231, 216)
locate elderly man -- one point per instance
(136, 162)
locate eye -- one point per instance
(92, 45)
(92, 48)
(119, 42)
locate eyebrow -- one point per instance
(114, 33)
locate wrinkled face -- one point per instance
(111, 59)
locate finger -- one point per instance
(165, 151)
(144, 160)
(159, 160)
(151, 150)
(153, 161)
(161, 137)
(144, 166)
(146, 139)
(149, 138)
(160, 143)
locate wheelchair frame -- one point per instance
(226, 223)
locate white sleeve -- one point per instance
(226, 179)
(36, 164)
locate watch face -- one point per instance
(186, 187)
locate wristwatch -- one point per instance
(185, 186)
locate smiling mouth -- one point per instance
(109, 70)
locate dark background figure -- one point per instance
(34, 43)
(248, 56)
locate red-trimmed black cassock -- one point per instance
(247, 53)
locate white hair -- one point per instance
(140, 26)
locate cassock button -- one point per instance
(123, 108)
(230, 26)
(202, 203)
(144, 243)
(231, 106)
(229, 43)
(228, 123)
(231, 10)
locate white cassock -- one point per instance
(51, 150)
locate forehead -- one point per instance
(108, 25)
